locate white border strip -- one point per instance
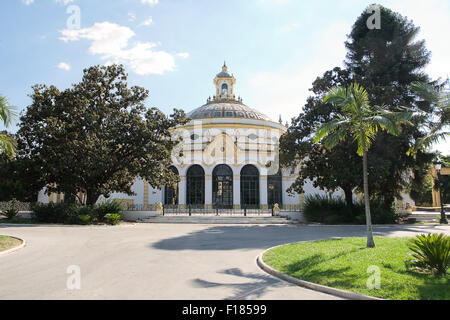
(306, 284)
(24, 243)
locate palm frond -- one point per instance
(7, 112)
(7, 145)
(329, 127)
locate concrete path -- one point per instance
(161, 261)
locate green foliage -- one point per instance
(20, 179)
(102, 128)
(431, 253)
(85, 218)
(7, 116)
(56, 213)
(323, 209)
(101, 210)
(70, 213)
(436, 130)
(343, 264)
(112, 218)
(11, 213)
(12, 209)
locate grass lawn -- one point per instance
(8, 243)
(343, 263)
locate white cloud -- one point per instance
(64, 66)
(289, 27)
(150, 2)
(111, 42)
(183, 55)
(147, 22)
(131, 17)
(64, 2)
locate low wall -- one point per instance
(293, 215)
(139, 215)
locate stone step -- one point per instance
(427, 217)
(217, 220)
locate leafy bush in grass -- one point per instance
(112, 218)
(431, 253)
(323, 209)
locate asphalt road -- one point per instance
(161, 261)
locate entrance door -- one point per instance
(223, 187)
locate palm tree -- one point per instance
(361, 122)
(7, 115)
(437, 129)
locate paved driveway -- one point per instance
(160, 261)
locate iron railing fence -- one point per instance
(199, 210)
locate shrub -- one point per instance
(323, 209)
(84, 218)
(11, 213)
(112, 218)
(431, 253)
(56, 213)
(101, 210)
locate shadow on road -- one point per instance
(232, 237)
(254, 289)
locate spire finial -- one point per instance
(224, 68)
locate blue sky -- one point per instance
(174, 48)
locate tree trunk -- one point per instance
(91, 197)
(348, 193)
(370, 241)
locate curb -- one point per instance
(309, 285)
(24, 243)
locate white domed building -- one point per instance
(228, 158)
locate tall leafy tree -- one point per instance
(327, 169)
(361, 122)
(7, 116)
(386, 62)
(97, 136)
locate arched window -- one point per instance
(171, 192)
(274, 190)
(249, 187)
(195, 186)
(223, 187)
(224, 88)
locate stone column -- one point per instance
(208, 191)
(182, 192)
(146, 185)
(263, 192)
(237, 191)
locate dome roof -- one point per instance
(226, 109)
(224, 74)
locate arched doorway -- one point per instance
(223, 187)
(250, 187)
(274, 190)
(195, 186)
(171, 192)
